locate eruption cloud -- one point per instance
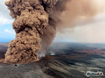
(36, 22)
(30, 20)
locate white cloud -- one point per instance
(4, 21)
(5, 18)
(9, 31)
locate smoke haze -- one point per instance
(37, 21)
(83, 21)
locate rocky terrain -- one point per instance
(63, 60)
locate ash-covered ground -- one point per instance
(62, 60)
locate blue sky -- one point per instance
(88, 32)
(6, 33)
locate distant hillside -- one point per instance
(63, 60)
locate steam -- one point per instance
(36, 22)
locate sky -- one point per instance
(6, 31)
(91, 32)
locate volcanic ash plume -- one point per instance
(31, 21)
(36, 22)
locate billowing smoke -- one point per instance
(36, 22)
(77, 12)
(32, 28)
